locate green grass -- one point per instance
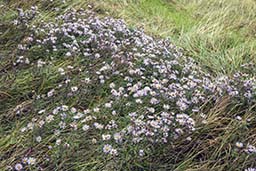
(212, 32)
(220, 35)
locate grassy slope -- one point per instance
(214, 33)
(220, 34)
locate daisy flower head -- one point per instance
(107, 148)
(18, 167)
(39, 139)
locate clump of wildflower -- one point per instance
(108, 149)
(24, 17)
(150, 87)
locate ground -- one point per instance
(219, 35)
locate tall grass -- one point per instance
(219, 34)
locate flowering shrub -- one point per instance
(139, 91)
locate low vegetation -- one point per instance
(83, 87)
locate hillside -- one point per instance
(127, 85)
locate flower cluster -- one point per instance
(24, 17)
(30, 161)
(152, 88)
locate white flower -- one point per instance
(133, 114)
(204, 121)
(97, 55)
(25, 160)
(40, 63)
(39, 139)
(23, 129)
(73, 125)
(78, 116)
(113, 152)
(57, 132)
(113, 112)
(41, 111)
(87, 111)
(112, 85)
(118, 137)
(61, 70)
(73, 110)
(86, 127)
(155, 124)
(98, 126)
(87, 118)
(18, 167)
(30, 125)
(189, 138)
(49, 118)
(64, 107)
(96, 109)
(239, 118)
(58, 141)
(115, 93)
(151, 110)
(87, 80)
(106, 137)
(34, 120)
(182, 105)
(239, 144)
(68, 54)
(62, 125)
(102, 81)
(55, 111)
(107, 148)
(41, 123)
(74, 88)
(50, 93)
(138, 101)
(94, 141)
(152, 93)
(67, 81)
(70, 67)
(108, 105)
(66, 145)
(179, 131)
(166, 106)
(203, 115)
(251, 149)
(31, 161)
(154, 101)
(250, 169)
(141, 153)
